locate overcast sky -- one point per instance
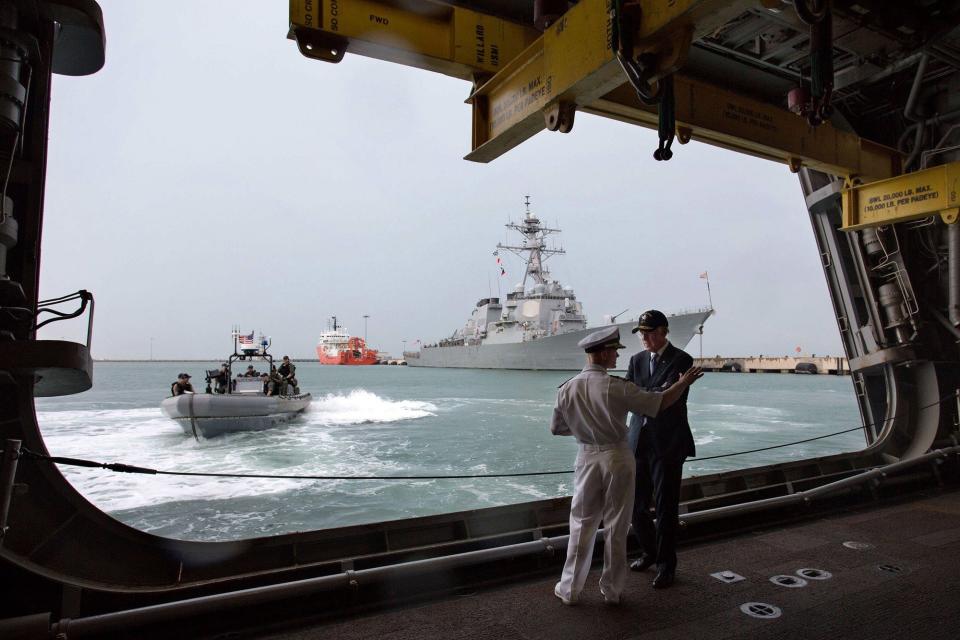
(209, 175)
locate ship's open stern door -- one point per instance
(848, 98)
(855, 96)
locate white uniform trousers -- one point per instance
(602, 490)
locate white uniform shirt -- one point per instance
(593, 406)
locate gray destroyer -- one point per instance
(535, 328)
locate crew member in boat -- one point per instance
(592, 407)
(269, 384)
(182, 385)
(277, 381)
(251, 372)
(222, 379)
(287, 373)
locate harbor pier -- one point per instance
(823, 365)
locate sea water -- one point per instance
(390, 421)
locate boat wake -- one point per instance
(364, 407)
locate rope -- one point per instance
(70, 296)
(26, 454)
(939, 401)
(43, 307)
(778, 446)
(126, 468)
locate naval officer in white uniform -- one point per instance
(592, 407)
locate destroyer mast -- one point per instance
(534, 251)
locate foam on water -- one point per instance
(363, 407)
(144, 437)
(702, 439)
(384, 421)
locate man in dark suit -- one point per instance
(660, 445)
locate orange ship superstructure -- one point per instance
(337, 346)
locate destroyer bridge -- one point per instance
(859, 98)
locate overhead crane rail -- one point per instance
(526, 81)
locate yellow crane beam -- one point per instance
(928, 192)
(418, 33)
(728, 120)
(574, 63)
(527, 81)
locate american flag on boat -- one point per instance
(246, 339)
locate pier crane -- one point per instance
(859, 98)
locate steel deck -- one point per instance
(915, 595)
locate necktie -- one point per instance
(653, 366)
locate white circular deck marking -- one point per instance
(791, 582)
(814, 574)
(761, 610)
(858, 546)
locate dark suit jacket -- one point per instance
(669, 432)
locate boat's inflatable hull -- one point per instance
(209, 415)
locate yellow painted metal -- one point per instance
(573, 62)
(723, 118)
(419, 33)
(915, 195)
(509, 108)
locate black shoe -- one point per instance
(642, 563)
(663, 579)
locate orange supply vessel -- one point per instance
(337, 346)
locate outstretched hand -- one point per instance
(691, 375)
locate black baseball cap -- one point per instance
(650, 320)
(183, 375)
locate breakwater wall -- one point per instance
(823, 365)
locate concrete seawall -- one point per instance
(824, 365)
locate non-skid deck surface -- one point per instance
(905, 585)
